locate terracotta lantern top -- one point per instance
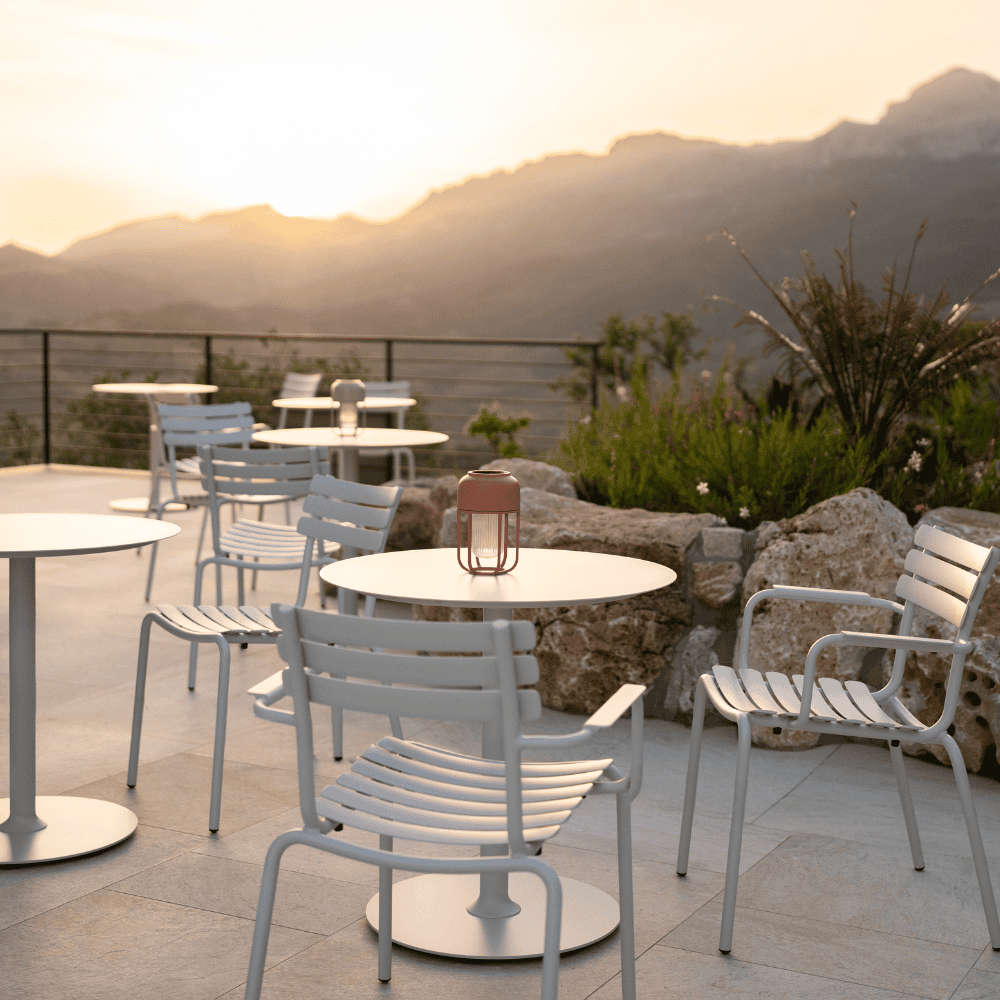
(489, 491)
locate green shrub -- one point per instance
(18, 440)
(500, 432)
(710, 454)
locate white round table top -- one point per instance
(24, 535)
(543, 578)
(370, 437)
(149, 388)
(326, 403)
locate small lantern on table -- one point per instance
(349, 392)
(488, 498)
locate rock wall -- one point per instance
(667, 639)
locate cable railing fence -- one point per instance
(50, 414)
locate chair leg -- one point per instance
(240, 592)
(140, 697)
(384, 914)
(691, 784)
(265, 911)
(337, 721)
(735, 834)
(626, 902)
(553, 922)
(152, 568)
(192, 666)
(907, 802)
(218, 754)
(975, 839)
(201, 535)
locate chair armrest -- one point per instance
(614, 708)
(869, 639)
(816, 594)
(265, 694)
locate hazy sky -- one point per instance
(116, 110)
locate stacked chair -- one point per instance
(474, 672)
(341, 519)
(944, 576)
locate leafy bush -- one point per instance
(629, 348)
(500, 431)
(875, 361)
(109, 431)
(18, 440)
(711, 454)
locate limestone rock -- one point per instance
(415, 525)
(586, 653)
(537, 475)
(853, 542)
(693, 657)
(716, 584)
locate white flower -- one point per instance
(706, 375)
(924, 443)
(916, 460)
(702, 488)
(744, 512)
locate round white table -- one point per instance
(348, 445)
(373, 404)
(430, 912)
(190, 390)
(53, 827)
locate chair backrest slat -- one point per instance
(197, 426)
(417, 703)
(429, 637)
(951, 609)
(205, 410)
(224, 473)
(297, 384)
(941, 573)
(399, 389)
(950, 547)
(338, 510)
(342, 489)
(445, 671)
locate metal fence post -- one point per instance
(46, 409)
(594, 348)
(208, 360)
(388, 361)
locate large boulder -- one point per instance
(976, 726)
(853, 542)
(585, 653)
(415, 525)
(537, 475)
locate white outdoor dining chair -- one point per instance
(399, 389)
(944, 575)
(475, 672)
(187, 427)
(347, 519)
(295, 386)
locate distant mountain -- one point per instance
(550, 249)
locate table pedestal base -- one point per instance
(429, 914)
(74, 826)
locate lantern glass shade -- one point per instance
(348, 392)
(487, 500)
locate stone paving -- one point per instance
(829, 905)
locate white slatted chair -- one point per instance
(401, 789)
(187, 427)
(351, 517)
(295, 385)
(945, 575)
(401, 390)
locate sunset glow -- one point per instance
(118, 110)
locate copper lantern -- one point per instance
(349, 392)
(487, 497)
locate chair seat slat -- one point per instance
(818, 707)
(177, 617)
(862, 697)
(842, 704)
(756, 688)
(732, 690)
(781, 688)
(399, 793)
(433, 835)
